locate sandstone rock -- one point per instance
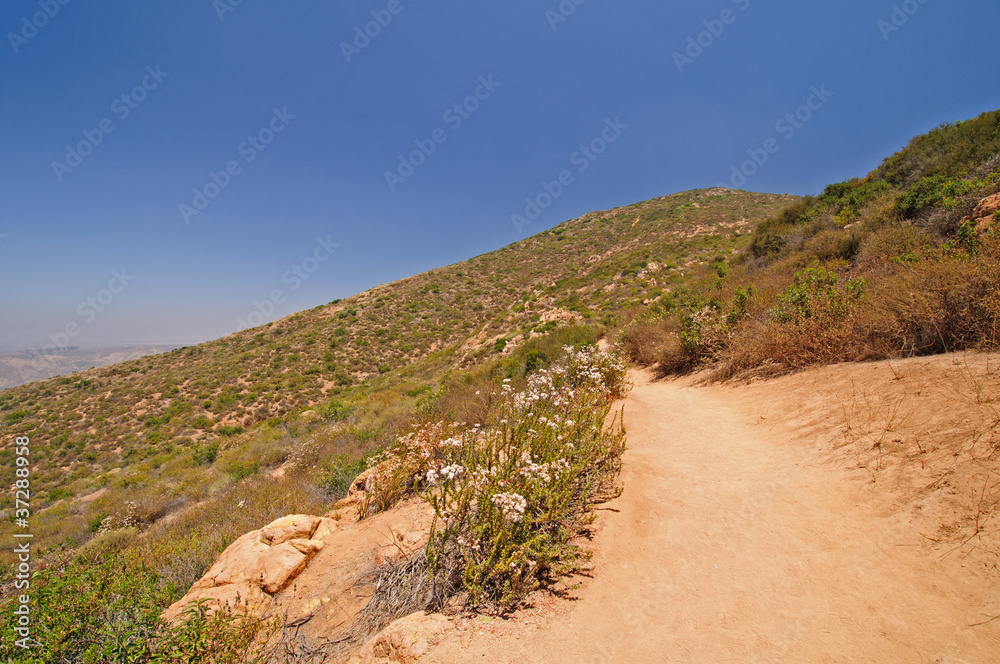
(259, 564)
(360, 482)
(987, 207)
(982, 217)
(281, 564)
(405, 641)
(295, 526)
(305, 569)
(235, 597)
(233, 566)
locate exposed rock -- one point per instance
(306, 569)
(360, 483)
(406, 641)
(987, 207)
(259, 564)
(242, 597)
(287, 528)
(983, 216)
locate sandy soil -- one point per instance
(759, 524)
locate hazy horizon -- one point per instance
(175, 172)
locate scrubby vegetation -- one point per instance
(102, 601)
(143, 472)
(892, 265)
(510, 493)
(177, 429)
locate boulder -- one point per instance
(258, 565)
(237, 598)
(295, 526)
(983, 215)
(405, 641)
(987, 207)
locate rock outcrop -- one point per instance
(306, 569)
(259, 565)
(984, 214)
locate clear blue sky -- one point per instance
(65, 228)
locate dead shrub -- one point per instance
(643, 342)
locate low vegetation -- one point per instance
(510, 493)
(174, 430)
(892, 265)
(145, 471)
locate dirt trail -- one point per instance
(729, 544)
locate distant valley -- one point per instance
(30, 365)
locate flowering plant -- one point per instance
(509, 497)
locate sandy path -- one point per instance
(731, 545)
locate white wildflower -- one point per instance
(513, 506)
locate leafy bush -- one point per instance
(817, 293)
(106, 608)
(951, 150)
(202, 422)
(239, 470)
(205, 455)
(510, 498)
(533, 361)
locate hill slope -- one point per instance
(139, 424)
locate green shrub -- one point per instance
(508, 499)
(817, 292)
(202, 422)
(59, 493)
(205, 455)
(106, 608)
(338, 475)
(239, 470)
(533, 361)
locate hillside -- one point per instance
(144, 430)
(478, 392)
(902, 262)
